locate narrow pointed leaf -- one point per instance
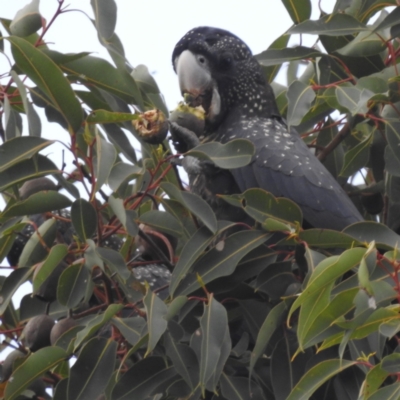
(162, 221)
(114, 260)
(19, 149)
(49, 78)
(37, 203)
(221, 262)
(56, 255)
(105, 158)
(131, 328)
(94, 367)
(234, 154)
(84, 219)
(300, 97)
(279, 56)
(34, 251)
(27, 20)
(72, 285)
(142, 379)
(299, 10)
(194, 204)
(34, 123)
(193, 248)
(184, 360)
(317, 376)
(213, 325)
(336, 25)
(105, 14)
(273, 320)
(11, 285)
(34, 367)
(96, 323)
(156, 311)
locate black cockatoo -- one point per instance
(217, 70)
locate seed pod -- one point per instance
(191, 118)
(36, 333)
(60, 328)
(34, 186)
(151, 126)
(7, 369)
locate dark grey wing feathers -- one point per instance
(284, 166)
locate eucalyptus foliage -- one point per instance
(271, 311)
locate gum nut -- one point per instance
(189, 117)
(36, 333)
(60, 328)
(34, 186)
(151, 126)
(8, 364)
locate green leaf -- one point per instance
(234, 154)
(317, 376)
(299, 10)
(26, 170)
(126, 217)
(34, 251)
(72, 285)
(365, 44)
(156, 312)
(37, 203)
(122, 172)
(107, 117)
(13, 121)
(392, 132)
(331, 25)
(390, 20)
(192, 250)
(84, 219)
(184, 360)
(327, 272)
(271, 323)
(357, 157)
(194, 203)
(237, 387)
(11, 285)
(90, 374)
(35, 126)
(369, 231)
(49, 78)
(141, 379)
(131, 328)
(56, 255)
(300, 97)
(222, 259)
(36, 365)
(391, 392)
(106, 155)
(20, 148)
(100, 73)
(27, 20)
(278, 56)
(328, 239)
(213, 325)
(271, 71)
(323, 326)
(115, 262)
(261, 205)
(162, 221)
(96, 323)
(105, 13)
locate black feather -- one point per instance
(283, 164)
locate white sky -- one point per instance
(149, 29)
